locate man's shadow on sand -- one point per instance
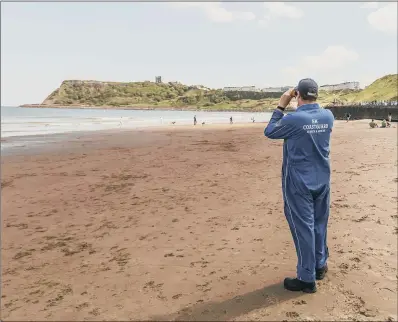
(232, 308)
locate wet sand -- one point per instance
(188, 224)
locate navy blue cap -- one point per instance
(307, 88)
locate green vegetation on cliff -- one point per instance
(179, 96)
(94, 93)
(384, 88)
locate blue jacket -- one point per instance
(306, 147)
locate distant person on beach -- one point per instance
(383, 124)
(389, 117)
(305, 179)
(373, 124)
(230, 120)
(348, 116)
(194, 120)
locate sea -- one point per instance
(26, 126)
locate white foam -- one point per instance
(35, 121)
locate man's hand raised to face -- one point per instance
(285, 98)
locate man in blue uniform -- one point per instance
(305, 179)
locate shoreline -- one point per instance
(56, 142)
(149, 108)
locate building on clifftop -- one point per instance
(341, 86)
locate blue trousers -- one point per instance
(307, 212)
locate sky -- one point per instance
(215, 44)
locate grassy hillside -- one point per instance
(176, 95)
(147, 94)
(385, 88)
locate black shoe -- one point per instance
(295, 285)
(321, 272)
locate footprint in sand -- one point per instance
(176, 297)
(152, 286)
(343, 267)
(292, 314)
(95, 312)
(82, 306)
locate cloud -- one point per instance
(274, 10)
(215, 12)
(385, 18)
(370, 5)
(331, 59)
(282, 10)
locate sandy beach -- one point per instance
(187, 223)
